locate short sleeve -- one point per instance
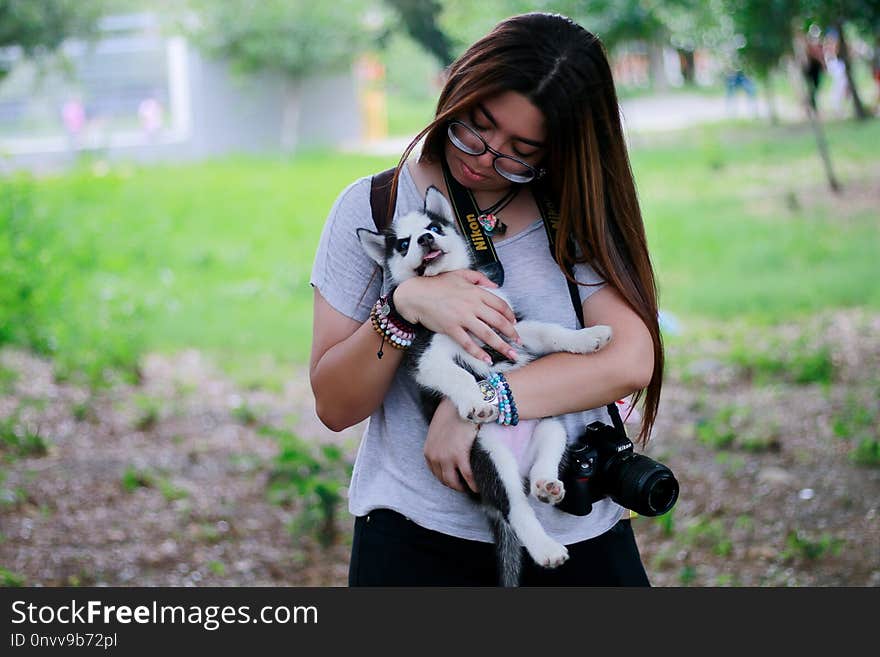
(342, 271)
(584, 273)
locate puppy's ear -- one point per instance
(374, 245)
(436, 203)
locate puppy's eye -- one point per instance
(435, 228)
(403, 245)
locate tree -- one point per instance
(765, 30)
(293, 37)
(420, 19)
(40, 27)
(684, 24)
(837, 13)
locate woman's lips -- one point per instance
(471, 174)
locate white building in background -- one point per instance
(140, 95)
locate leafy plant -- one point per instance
(148, 413)
(8, 378)
(82, 411)
(718, 431)
(867, 452)
(800, 363)
(9, 578)
(667, 522)
(710, 534)
(799, 545)
(244, 414)
(853, 419)
(169, 491)
(687, 575)
(19, 440)
(134, 478)
(310, 477)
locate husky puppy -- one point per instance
(428, 243)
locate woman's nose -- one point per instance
(486, 160)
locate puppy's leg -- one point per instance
(545, 452)
(545, 337)
(438, 370)
(543, 549)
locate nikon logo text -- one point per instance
(477, 239)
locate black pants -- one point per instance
(390, 550)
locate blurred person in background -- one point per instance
(150, 114)
(836, 72)
(531, 103)
(73, 117)
(813, 65)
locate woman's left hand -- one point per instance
(448, 447)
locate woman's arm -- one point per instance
(566, 383)
(554, 385)
(349, 381)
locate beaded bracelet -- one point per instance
(391, 326)
(507, 412)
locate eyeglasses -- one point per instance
(469, 141)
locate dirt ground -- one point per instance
(165, 483)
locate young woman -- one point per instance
(534, 99)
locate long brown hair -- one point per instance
(563, 70)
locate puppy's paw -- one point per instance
(550, 491)
(597, 337)
(549, 553)
(476, 406)
(480, 413)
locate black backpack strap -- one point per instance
(380, 198)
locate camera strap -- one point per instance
(466, 212)
(465, 208)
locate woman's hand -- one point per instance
(453, 303)
(448, 447)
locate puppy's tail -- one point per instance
(508, 550)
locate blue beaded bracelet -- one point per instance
(507, 413)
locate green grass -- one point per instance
(724, 239)
(215, 255)
(108, 265)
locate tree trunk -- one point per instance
(822, 143)
(843, 53)
(686, 61)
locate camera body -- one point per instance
(601, 463)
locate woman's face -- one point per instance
(511, 125)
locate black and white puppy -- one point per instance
(508, 462)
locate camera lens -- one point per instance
(662, 493)
(641, 484)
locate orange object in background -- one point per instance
(371, 82)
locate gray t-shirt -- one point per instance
(390, 470)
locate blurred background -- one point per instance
(165, 172)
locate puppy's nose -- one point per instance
(427, 239)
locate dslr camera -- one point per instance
(601, 463)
